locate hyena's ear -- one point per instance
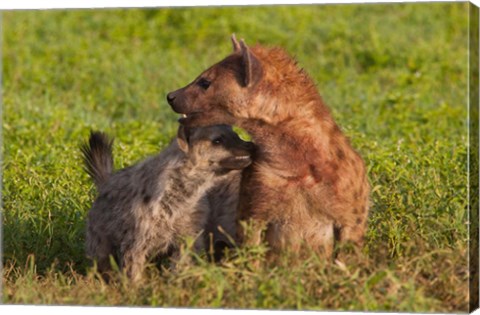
(182, 138)
(235, 43)
(251, 66)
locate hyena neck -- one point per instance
(184, 188)
(295, 145)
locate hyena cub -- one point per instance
(144, 210)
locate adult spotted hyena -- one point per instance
(306, 179)
(144, 210)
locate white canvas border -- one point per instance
(58, 4)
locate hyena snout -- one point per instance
(177, 101)
(171, 97)
(201, 103)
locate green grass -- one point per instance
(395, 77)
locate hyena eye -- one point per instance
(217, 141)
(203, 83)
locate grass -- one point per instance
(394, 75)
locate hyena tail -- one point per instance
(98, 157)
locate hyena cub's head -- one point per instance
(222, 93)
(215, 149)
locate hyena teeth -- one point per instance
(184, 115)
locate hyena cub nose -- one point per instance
(217, 148)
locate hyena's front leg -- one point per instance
(321, 237)
(354, 233)
(252, 233)
(312, 234)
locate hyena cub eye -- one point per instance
(203, 83)
(217, 141)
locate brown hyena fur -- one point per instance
(144, 210)
(306, 180)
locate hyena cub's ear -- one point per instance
(252, 67)
(182, 138)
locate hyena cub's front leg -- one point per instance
(133, 262)
(100, 248)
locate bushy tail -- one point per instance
(98, 157)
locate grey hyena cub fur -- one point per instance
(142, 211)
(222, 203)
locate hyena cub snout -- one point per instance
(217, 149)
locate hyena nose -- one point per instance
(170, 98)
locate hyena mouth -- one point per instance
(183, 118)
(186, 117)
